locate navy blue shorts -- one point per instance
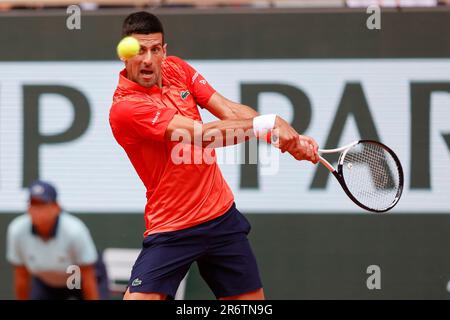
(220, 247)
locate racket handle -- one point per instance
(326, 164)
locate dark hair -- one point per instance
(141, 22)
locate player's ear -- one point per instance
(57, 208)
(125, 63)
(165, 50)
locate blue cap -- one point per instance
(42, 191)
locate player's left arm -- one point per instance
(225, 109)
(89, 282)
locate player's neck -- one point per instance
(46, 231)
(160, 83)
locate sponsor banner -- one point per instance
(54, 124)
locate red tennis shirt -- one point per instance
(179, 194)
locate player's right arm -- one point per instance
(134, 121)
(229, 132)
(236, 116)
(22, 283)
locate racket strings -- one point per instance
(371, 175)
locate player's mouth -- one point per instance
(146, 74)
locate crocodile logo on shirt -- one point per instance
(184, 94)
(136, 282)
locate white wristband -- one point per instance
(264, 123)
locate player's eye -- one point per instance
(156, 50)
(141, 50)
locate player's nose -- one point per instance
(147, 58)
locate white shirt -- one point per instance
(48, 260)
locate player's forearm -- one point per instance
(218, 134)
(22, 288)
(89, 283)
(22, 283)
(22, 292)
(213, 134)
(90, 292)
(226, 132)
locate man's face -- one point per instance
(145, 67)
(43, 214)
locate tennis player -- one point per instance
(190, 213)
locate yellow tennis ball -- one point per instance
(127, 48)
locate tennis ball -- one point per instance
(127, 48)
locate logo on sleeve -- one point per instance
(136, 282)
(194, 77)
(184, 94)
(156, 117)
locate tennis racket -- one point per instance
(370, 174)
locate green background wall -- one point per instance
(311, 256)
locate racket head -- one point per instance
(371, 175)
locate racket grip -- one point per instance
(326, 164)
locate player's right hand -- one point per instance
(309, 148)
(299, 146)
